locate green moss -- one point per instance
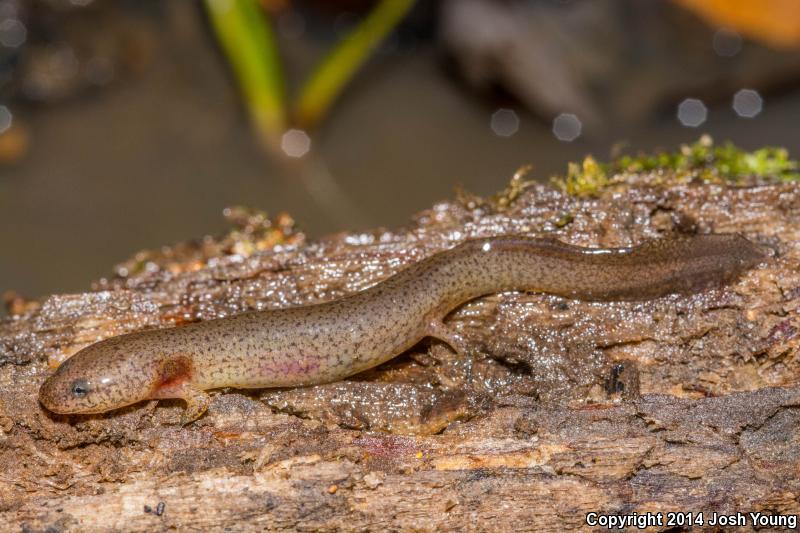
(586, 179)
(701, 160)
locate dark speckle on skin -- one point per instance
(330, 341)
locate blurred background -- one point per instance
(130, 124)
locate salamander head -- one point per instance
(104, 376)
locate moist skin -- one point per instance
(330, 341)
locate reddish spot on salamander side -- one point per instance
(319, 344)
(173, 374)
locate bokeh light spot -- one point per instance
(504, 122)
(567, 127)
(727, 42)
(6, 119)
(747, 103)
(692, 112)
(12, 33)
(295, 143)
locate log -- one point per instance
(561, 408)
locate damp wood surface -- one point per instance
(560, 407)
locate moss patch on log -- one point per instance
(702, 160)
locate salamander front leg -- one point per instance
(196, 404)
(438, 330)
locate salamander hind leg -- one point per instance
(438, 330)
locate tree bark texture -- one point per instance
(560, 408)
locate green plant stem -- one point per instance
(246, 37)
(336, 70)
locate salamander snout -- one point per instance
(59, 396)
(70, 390)
(91, 381)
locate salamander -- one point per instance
(330, 341)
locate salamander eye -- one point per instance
(80, 388)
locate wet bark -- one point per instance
(559, 408)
